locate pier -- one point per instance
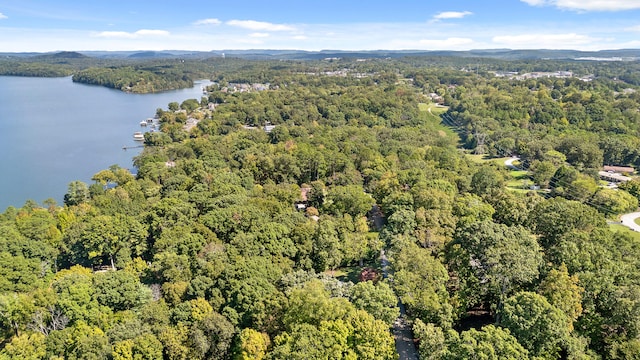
(125, 147)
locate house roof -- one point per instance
(611, 176)
(303, 193)
(620, 169)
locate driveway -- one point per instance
(509, 163)
(402, 332)
(628, 220)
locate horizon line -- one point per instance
(322, 50)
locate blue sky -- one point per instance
(46, 25)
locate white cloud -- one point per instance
(259, 25)
(353, 36)
(208, 22)
(114, 34)
(449, 43)
(633, 28)
(145, 32)
(452, 15)
(3, 16)
(588, 5)
(536, 2)
(249, 41)
(132, 35)
(544, 41)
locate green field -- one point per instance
(433, 114)
(519, 180)
(479, 159)
(433, 108)
(626, 230)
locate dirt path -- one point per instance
(402, 332)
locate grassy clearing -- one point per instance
(479, 159)
(519, 174)
(433, 108)
(626, 230)
(518, 180)
(351, 273)
(637, 221)
(433, 115)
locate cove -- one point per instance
(54, 131)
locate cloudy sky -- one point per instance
(45, 25)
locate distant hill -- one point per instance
(274, 54)
(63, 55)
(502, 54)
(150, 55)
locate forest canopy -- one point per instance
(257, 231)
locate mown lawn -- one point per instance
(433, 108)
(434, 117)
(626, 230)
(484, 158)
(519, 180)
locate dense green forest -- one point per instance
(152, 72)
(130, 75)
(252, 235)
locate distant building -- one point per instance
(619, 169)
(303, 203)
(304, 193)
(613, 176)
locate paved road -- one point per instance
(628, 220)
(402, 332)
(509, 163)
(377, 217)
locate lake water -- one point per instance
(54, 131)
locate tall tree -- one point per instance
(539, 326)
(501, 257)
(378, 300)
(563, 292)
(490, 342)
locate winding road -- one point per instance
(509, 163)
(628, 220)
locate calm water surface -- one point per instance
(54, 131)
